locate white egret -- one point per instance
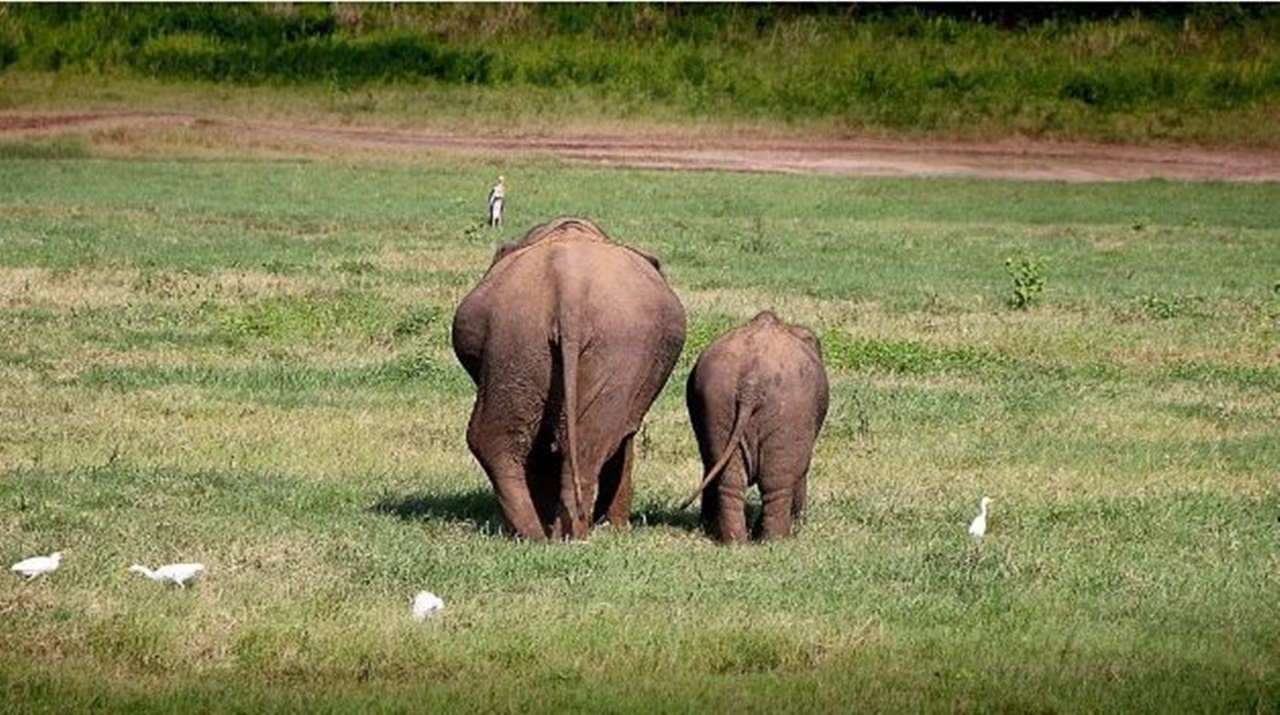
(38, 565)
(425, 604)
(497, 197)
(978, 527)
(173, 573)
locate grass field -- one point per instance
(247, 363)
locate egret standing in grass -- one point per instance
(978, 527)
(38, 565)
(497, 197)
(173, 573)
(425, 604)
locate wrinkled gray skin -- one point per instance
(757, 398)
(569, 337)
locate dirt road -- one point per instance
(1011, 159)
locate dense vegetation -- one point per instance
(1199, 72)
(247, 363)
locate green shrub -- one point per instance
(181, 56)
(8, 52)
(1028, 281)
(1161, 72)
(197, 57)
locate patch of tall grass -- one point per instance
(1194, 73)
(63, 147)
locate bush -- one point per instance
(196, 57)
(1183, 73)
(182, 56)
(8, 53)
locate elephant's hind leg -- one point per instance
(614, 501)
(573, 518)
(800, 500)
(517, 507)
(507, 474)
(724, 505)
(775, 514)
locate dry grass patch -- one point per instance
(744, 304)
(394, 258)
(206, 140)
(318, 139)
(1152, 352)
(63, 289)
(233, 285)
(35, 287)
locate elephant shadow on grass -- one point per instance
(665, 514)
(478, 508)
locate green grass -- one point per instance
(1207, 74)
(62, 147)
(247, 363)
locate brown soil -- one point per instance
(1007, 159)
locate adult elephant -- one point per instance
(757, 398)
(569, 337)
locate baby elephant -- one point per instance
(757, 398)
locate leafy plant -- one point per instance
(1160, 307)
(416, 321)
(1028, 281)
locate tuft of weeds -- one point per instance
(417, 321)
(1167, 307)
(842, 351)
(1028, 278)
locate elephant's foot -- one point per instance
(520, 516)
(567, 528)
(775, 516)
(536, 535)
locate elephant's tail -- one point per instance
(748, 397)
(569, 363)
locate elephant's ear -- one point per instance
(809, 337)
(652, 259)
(503, 251)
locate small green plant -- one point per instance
(1160, 307)
(417, 321)
(759, 242)
(1028, 281)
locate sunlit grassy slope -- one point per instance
(247, 364)
(1206, 73)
